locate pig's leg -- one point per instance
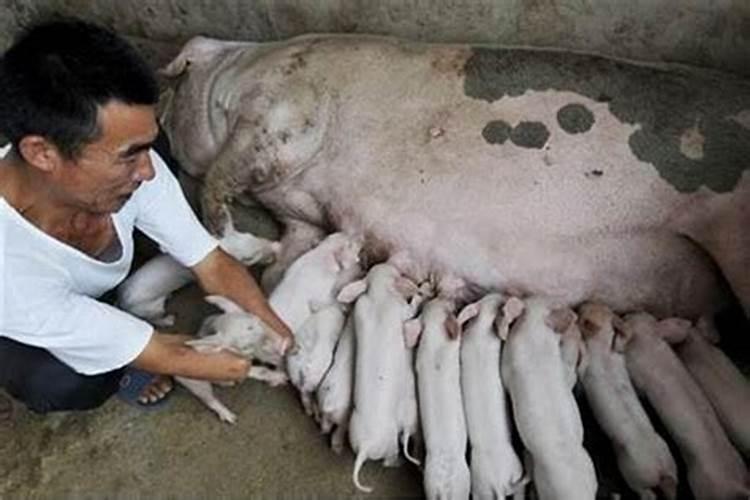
(299, 237)
(393, 460)
(153, 311)
(338, 437)
(716, 232)
(250, 156)
(268, 375)
(203, 391)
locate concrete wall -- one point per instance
(713, 33)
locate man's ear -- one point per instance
(39, 152)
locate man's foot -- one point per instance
(144, 389)
(156, 390)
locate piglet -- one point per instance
(545, 410)
(725, 386)
(243, 334)
(496, 470)
(382, 367)
(446, 474)
(714, 468)
(312, 281)
(335, 392)
(145, 292)
(642, 455)
(316, 340)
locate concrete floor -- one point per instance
(182, 450)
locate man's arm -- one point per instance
(221, 274)
(166, 354)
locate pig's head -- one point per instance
(595, 322)
(344, 249)
(187, 107)
(672, 330)
(241, 332)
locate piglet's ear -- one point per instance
(406, 287)
(706, 328)
(622, 335)
(467, 313)
(452, 327)
(210, 344)
(412, 331)
(223, 303)
(512, 309)
(559, 320)
(350, 292)
(674, 330)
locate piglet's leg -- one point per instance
(203, 391)
(268, 375)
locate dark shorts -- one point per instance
(44, 383)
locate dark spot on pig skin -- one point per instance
(530, 135)
(664, 104)
(593, 174)
(575, 118)
(496, 132)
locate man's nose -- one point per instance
(144, 171)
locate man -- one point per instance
(78, 105)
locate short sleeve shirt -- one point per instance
(49, 289)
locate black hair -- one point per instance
(57, 74)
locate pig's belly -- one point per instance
(656, 271)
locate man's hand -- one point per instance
(167, 354)
(220, 274)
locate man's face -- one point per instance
(106, 172)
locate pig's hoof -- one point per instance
(164, 321)
(277, 379)
(227, 416)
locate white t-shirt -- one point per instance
(49, 289)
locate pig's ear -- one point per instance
(412, 331)
(622, 335)
(467, 313)
(175, 68)
(210, 344)
(347, 255)
(452, 327)
(674, 330)
(350, 292)
(706, 328)
(512, 309)
(223, 303)
(406, 287)
(559, 320)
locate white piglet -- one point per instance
(316, 341)
(335, 392)
(244, 334)
(545, 410)
(446, 474)
(382, 366)
(312, 281)
(714, 468)
(642, 455)
(496, 470)
(724, 385)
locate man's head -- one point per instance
(77, 102)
